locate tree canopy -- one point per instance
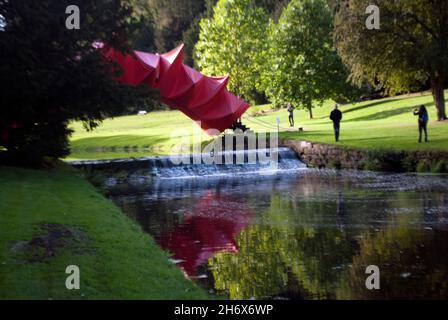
(233, 42)
(51, 75)
(409, 48)
(303, 68)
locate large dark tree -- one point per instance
(409, 48)
(50, 75)
(191, 36)
(173, 18)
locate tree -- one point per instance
(191, 36)
(233, 42)
(411, 46)
(173, 18)
(51, 75)
(273, 7)
(303, 68)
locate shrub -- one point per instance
(409, 163)
(380, 160)
(335, 164)
(423, 166)
(440, 167)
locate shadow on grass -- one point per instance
(364, 106)
(372, 104)
(388, 113)
(119, 141)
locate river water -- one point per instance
(299, 234)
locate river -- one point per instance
(299, 234)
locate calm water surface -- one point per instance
(307, 234)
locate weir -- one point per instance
(257, 161)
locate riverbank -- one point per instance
(325, 156)
(50, 219)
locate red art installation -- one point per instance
(203, 99)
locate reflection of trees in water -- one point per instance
(413, 264)
(278, 257)
(285, 255)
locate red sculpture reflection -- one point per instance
(210, 228)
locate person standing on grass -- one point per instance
(336, 117)
(423, 118)
(290, 114)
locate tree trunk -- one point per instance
(311, 112)
(439, 96)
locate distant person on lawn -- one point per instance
(423, 118)
(290, 114)
(336, 117)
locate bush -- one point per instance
(440, 167)
(335, 164)
(33, 143)
(423, 166)
(380, 160)
(409, 163)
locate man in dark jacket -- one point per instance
(336, 117)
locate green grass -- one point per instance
(379, 124)
(118, 261)
(153, 134)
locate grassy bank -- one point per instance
(378, 124)
(52, 219)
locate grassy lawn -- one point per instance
(386, 124)
(152, 134)
(52, 219)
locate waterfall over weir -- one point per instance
(261, 161)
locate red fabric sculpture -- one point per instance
(201, 98)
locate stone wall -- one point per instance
(320, 155)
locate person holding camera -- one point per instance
(423, 118)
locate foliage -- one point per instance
(233, 42)
(409, 49)
(303, 68)
(191, 36)
(51, 75)
(175, 22)
(284, 253)
(440, 166)
(273, 7)
(423, 166)
(393, 247)
(382, 160)
(410, 163)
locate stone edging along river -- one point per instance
(320, 155)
